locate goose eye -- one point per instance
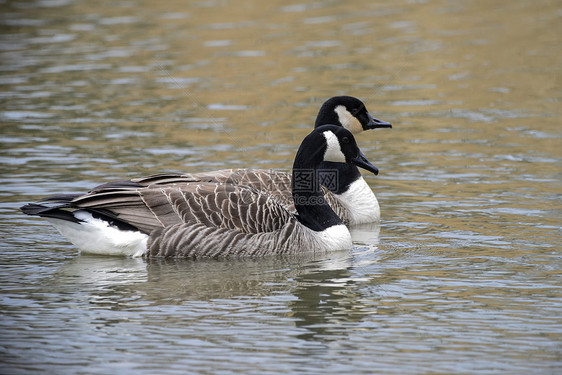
(356, 111)
(345, 140)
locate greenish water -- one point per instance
(463, 273)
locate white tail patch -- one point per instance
(96, 236)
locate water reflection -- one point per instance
(325, 299)
(162, 281)
(321, 287)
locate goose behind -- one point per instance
(210, 219)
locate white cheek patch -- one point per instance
(333, 150)
(347, 120)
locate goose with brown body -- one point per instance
(210, 219)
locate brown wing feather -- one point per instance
(275, 183)
(213, 204)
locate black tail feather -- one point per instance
(63, 206)
(58, 212)
(35, 209)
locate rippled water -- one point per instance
(462, 276)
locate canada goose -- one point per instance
(344, 188)
(210, 219)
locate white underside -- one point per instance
(361, 203)
(336, 237)
(96, 236)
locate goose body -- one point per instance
(169, 216)
(348, 194)
(354, 204)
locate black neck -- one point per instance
(337, 177)
(312, 209)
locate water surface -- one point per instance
(461, 276)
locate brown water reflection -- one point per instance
(463, 276)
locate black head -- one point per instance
(335, 144)
(350, 113)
